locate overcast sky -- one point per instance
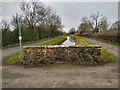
(70, 12)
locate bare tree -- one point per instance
(96, 17)
(37, 20)
(33, 13)
(81, 28)
(103, 24)
(17, 20)
(5, 26)
(54, 21)
(6, 33)
(115, 26)
(88, 23)
(72, 31)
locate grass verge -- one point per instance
(14, 58)
(80, 41)
(57, 41)
(106, 56)
(113, 43)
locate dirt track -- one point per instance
(60, 76)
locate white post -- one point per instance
(20, 41)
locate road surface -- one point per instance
(111, 48)
(9, 51)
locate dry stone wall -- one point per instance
(44, 55)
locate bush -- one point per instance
(107, 36)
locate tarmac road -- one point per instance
(9, 51)
(110, 47)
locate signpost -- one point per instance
(20, 40)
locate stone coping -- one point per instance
(52, 46)
(75, 54)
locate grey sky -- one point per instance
(70, 12)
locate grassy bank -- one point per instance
(54, 42)
(80, 41)
(107, 56)
(14, 59)
(109, 42)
